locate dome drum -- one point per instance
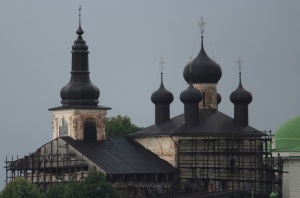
(241, 98)
(191, 98)
(162, 98)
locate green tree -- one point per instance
(120, 125)
(74, 189)
(95, 185)
(56, 191)
(21, 188)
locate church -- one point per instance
(202, 152)
(286, 143)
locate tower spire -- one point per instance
(80, 90)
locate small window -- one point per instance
(63, 128)
(90, 131)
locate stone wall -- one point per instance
(75, 119)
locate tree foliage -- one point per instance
(56, 191)
(21, 188)
(120, 125)
(95, 185)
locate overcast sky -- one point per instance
(126, 40)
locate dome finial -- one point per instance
(240, 62)
(79, 31)
(161, 63)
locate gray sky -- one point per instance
(126, 40)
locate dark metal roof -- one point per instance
(118, 155)
(241, 95)
(162, 95)
(191, 95)
(211, 122)
(204, 69)
(165, 129)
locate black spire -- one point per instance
(241, 98)
(80, 91)
(162, 98)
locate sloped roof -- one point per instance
(118, 155)
(287, 137)
(166, 128)
(212, 122)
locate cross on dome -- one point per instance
(79, 10)
(202, 24)
(240, 62)
(161, 63)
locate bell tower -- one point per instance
(80, 117)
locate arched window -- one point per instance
(63, 128)
(90, 131)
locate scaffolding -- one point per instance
(57, 163)
(235, 162)
(45, 169)
(146, 185)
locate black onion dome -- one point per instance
(219, 98)
(162, 96)
(80, 90)
(191, 95)
(204, 69)
(241, 96)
